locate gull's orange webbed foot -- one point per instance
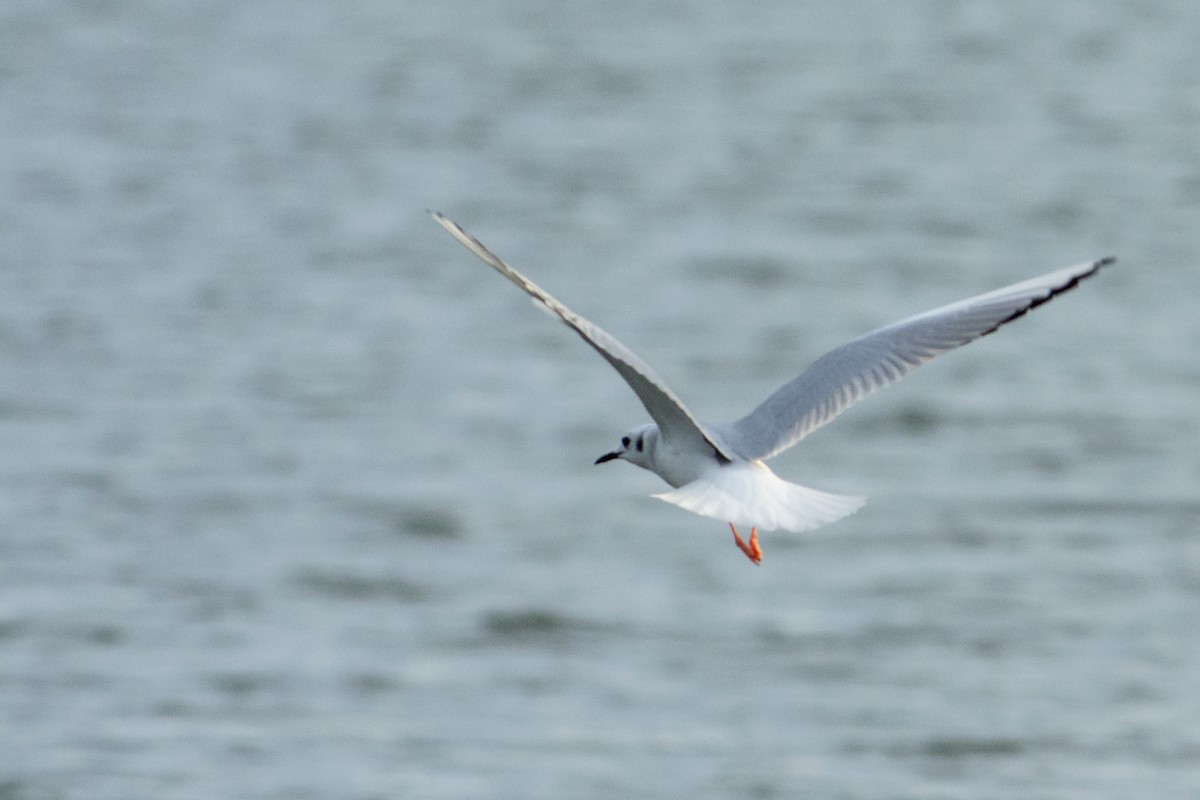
(752, 550)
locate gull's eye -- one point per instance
(624, 441)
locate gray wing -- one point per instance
(674, 420)
(842, 377)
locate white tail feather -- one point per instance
(749, 493)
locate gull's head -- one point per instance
(637, 447)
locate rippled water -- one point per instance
(298, 497)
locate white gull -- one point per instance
(719, 470)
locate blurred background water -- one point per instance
(298, 498)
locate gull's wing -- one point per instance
(674, 420)
(842, 377)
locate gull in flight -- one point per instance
(719, 470)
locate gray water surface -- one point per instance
(298, 499)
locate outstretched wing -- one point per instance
(842, 377)
(674, 420)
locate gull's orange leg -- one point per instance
(752, 550)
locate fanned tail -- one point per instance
(749, 493)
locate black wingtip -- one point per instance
(1096, 266)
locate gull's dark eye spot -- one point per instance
(640, 442)
(624, 441)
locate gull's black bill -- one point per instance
(608, 456)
